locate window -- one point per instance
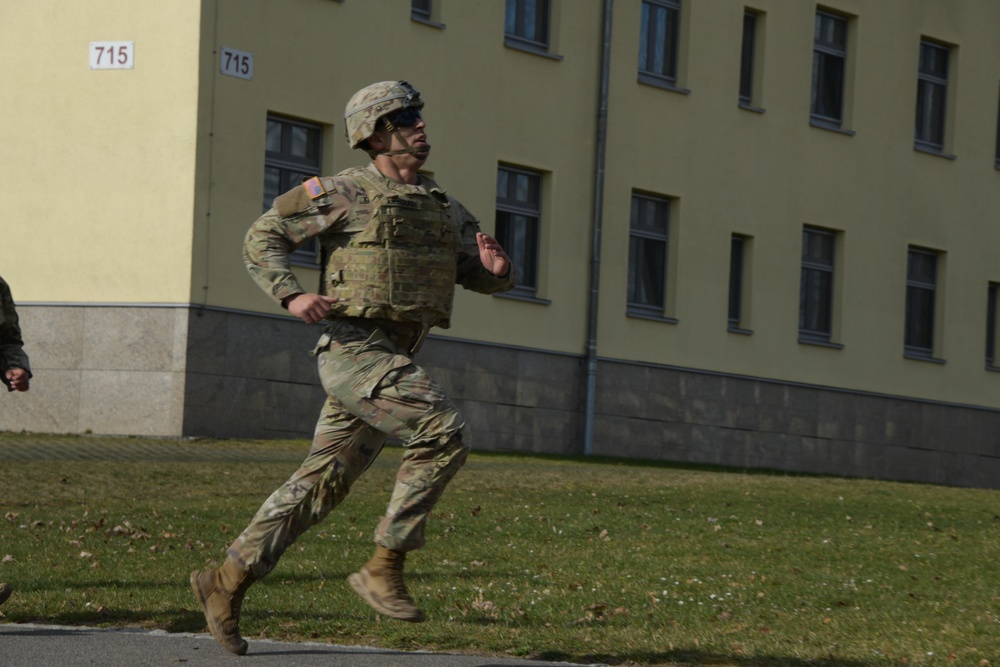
(991, 325)
(998, 138)
(647, 255)
(526, 24)
(420, 10)
(932, 95)
(292, 155)
(816, 285)
(829, 69)
(738, 261)
(658, 38)
(518, 215)
(921, 288)
(748, 57)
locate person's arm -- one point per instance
(15, 371)
(483, 265)
(294, 219)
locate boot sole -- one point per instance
(358, 584)
(212, 627)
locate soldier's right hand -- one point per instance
(309, 307)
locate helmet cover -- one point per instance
(373, 102)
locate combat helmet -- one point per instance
(373, 102)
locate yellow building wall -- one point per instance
(98, 169)
(766, 175)
(137, 186)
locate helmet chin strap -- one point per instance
(413, 150)
(410, 150)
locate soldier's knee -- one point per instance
(454, 450)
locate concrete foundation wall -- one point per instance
(192, 372)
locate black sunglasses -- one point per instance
(405, 117)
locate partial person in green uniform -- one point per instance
(15, 371)
(393, 246)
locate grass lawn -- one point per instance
(583, 561)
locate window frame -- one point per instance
(738, 310)
(992, 298)
(811, 268)
(516, 38)
(421, 10)
(641, 236)
(824, 52)
(928, 324)
(925, 122)
(670, 77)
(748, 58)
(997, 156)
(426, 13)
(290, 168)
(526, 272)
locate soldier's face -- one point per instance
(410, 133)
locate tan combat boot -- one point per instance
(380, 584)
(220, 593)
(5, 591)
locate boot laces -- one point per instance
(394, 575)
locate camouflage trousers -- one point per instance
(374, 391)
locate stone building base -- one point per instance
(180, 371)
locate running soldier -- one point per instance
(393, 246)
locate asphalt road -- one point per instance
(29, 645)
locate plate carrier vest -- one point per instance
(402, 265)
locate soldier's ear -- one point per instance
(379, 140)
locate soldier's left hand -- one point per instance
(492, 255)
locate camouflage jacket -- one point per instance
(12, 353)
(341, 210)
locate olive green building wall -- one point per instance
(128, 193)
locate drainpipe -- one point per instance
(595, 250)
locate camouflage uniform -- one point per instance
(12, 353)
(365, 357)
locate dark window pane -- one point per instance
(421, 9)
(815, 301)
(517, 219)
(658, 39)
(998, 135)
(747, 57)
(816, 283)
(527, 20)
(817, 246)
(831, 31)
(304, 142)
(921, 283)
(736, 251)
(272, 185)
(991, 324)
(932, 94)
(828, 89)
(920, 318)
(829, 63)
(648, 252)
(647, 269)
(934, 60)
(273, 143)
(503, 179)
(922, 268)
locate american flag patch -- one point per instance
(314, 187)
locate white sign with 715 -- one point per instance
(236, 63)
(112, 55)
